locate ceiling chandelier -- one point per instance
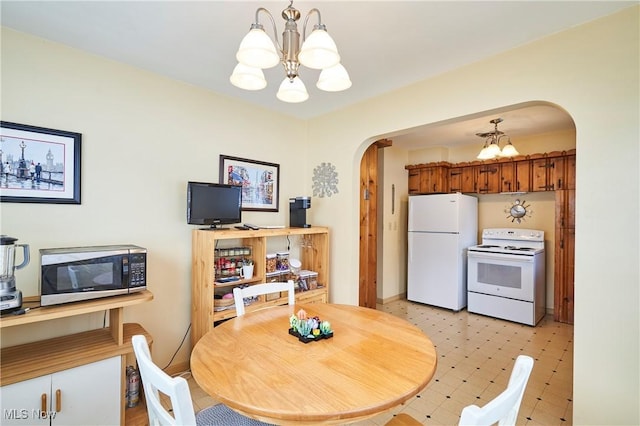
(491, 147)
(318, 51)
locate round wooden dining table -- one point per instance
(374, 362)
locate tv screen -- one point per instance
(213, 204)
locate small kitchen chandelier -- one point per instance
(491, 147)
(318, 51)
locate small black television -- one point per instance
(213, 204)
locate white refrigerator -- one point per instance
(441, 227)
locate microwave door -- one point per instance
(74, 280)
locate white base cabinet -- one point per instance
(90, 394)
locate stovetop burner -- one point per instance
(524, 242)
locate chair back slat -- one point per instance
(261, 289)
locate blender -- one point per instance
(10, 297)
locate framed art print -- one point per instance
(39, 165)
(260, 182)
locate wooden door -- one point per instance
(368, 281)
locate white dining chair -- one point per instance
(156, 381)
(260, 289)
(504, 408)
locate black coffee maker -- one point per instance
(298, 212)
(10, 297)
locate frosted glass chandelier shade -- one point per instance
(509, 151)
(292, 91)
(484, 154)
(248, 78)
(319, 51)
(257, 50)
(334, 79)
(493, 149)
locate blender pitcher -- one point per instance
(10, 298)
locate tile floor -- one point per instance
(476, 355)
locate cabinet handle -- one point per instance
(43, 403)
(559, 183)
(58, 400)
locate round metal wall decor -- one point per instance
(325, 180)
(518, 211)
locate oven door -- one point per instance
(498, 274)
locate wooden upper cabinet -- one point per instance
(428, 180)
(548, 173)
(538, 172)
(489, 178)
(434, 180)
(414, 181)
(569, 172)
(469, 179)
(540, 175)
(523, 175)
(455, 179)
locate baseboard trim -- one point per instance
(401, 296)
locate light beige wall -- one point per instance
(393, 216)
(590, 71)
(144, 137)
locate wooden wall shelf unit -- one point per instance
(314, 257)
(27, 361)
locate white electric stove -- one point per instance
(506, 275)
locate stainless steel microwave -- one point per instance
(82, 273)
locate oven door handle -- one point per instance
(499, 256)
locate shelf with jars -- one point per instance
(215, 272)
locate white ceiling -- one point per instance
(384, 45)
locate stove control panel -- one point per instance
(514, 234)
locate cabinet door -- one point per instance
(469, 179)
(557, 173)
(564, 273)
(22, 402)
(89, 394)
(523, 175)
(431, 180)
(564, 256)
(507, 177)
(539, 175)
(438, 179)
(489, 179)
(570, 172)
(455, 179)
(565, 208)
(414, 181)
